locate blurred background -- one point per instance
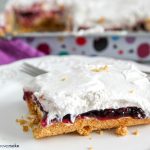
(21, 37)
(2, 4)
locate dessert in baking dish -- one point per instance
(87, 96)
(38, 16)
(74, 15)
(116, 15)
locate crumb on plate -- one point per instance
(90, 148)
(136, 132)
(122, 131)
(101, 132)
(25, 128)
(21, 121)
(89, 137)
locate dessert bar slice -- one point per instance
(106, 15)
(88, 96)
(38, 16)
(70, 15)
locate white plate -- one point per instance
(12, 106)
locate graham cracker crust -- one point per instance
(80, 126)
(44, 25)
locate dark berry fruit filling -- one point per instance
(28, 14)
(105, 114)
(27, 95)
(134, 112)
(67, 118)
(44, 122)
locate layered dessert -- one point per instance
(38, 16)
(74, 15)
(116, 15)
(87, 96)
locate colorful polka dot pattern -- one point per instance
(44, 47)
(80, 41)
(100, 44)
(63, 53)
(128, 47)
(143, 50)
(130, 40)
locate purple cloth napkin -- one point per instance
(16, 49)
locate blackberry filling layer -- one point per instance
(133, 112)
(28, 14)
(106, 114)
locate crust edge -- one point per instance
(85, 126)
(81, 126)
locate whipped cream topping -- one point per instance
(116, 13)
(76, 85)
(27, 4)
(22, 4)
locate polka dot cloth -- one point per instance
(120, 52)
(143, 50)
(100, 44)
(128, 47)
(80, 41)
(130, 40)
(44, 47)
